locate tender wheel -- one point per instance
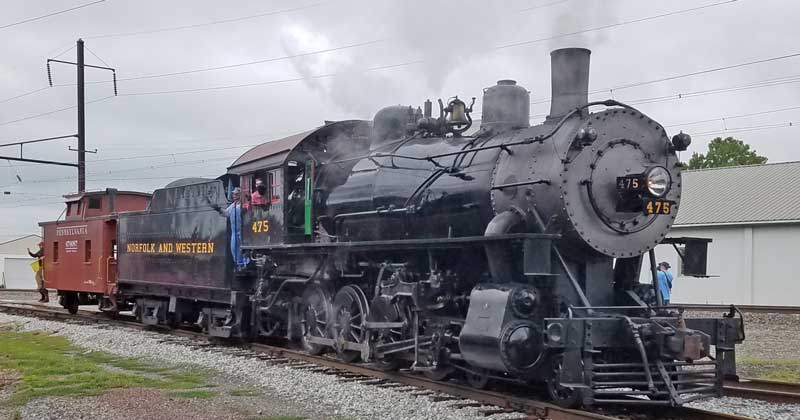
(562, 396)
(350, 311)
(314, 316)
(478, 378)
(71, 302)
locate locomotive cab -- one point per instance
(281, 193)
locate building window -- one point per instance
(679, 263)
(87, 253)
(55, 251)
(94, 202)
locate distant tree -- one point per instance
(726, 152)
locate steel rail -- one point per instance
(744, 308)
(764, 390)
(534, 409)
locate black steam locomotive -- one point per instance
(510, 254)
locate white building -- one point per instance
(752, 213)
(15, 263)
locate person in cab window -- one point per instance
(259, 196)
(39, 255)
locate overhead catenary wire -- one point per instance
(199, 25)
(403, 63)
(8, 25)
(375, 68)
(29, 117)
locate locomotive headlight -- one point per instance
(658, 180)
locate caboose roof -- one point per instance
(78, 196)
(737, 195)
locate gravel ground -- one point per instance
(750, 408)
(313, 395)
(769, 338)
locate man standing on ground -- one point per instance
(39, 255)
(664, 278)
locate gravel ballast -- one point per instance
(315, 395)
(303, 393)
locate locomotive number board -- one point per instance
(654, 206)
(630, 183)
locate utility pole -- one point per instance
(81, 121)
(81, 135)
(81, 66)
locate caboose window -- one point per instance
(55, 251)
(94, 202)
(87, 253)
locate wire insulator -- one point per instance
(114, 77)
(49, 75)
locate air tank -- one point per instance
(506, 106)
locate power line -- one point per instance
(706, 71)
(242, 64)
(96, 56)
(731, 117)
(24, 94)
(542, 6)
(51, 14)
(617, 24)
(400, 64)
(198, 25)
(748, 128)
(30, 117)
(420, 61)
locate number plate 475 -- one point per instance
(658, 206)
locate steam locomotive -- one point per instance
(509, 252)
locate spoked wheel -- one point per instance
(384, 310)
(315, 315)
(560, 395)
(478, 378)
(350, 311)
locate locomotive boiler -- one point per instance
(495, 252)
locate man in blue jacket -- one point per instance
(664, 278)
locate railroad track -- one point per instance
(527, 408)
(771, 309)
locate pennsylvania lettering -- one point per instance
(170, 247)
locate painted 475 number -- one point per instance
(260, 226)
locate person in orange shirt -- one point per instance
(258, 197)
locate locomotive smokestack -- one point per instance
(569, 70)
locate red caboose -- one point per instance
(80, 251)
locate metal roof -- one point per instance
(278, 148)
(752, 194)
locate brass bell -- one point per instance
(458, 114)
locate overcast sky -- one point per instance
(428, 49)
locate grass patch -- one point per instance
(202, 394)
(775, 370)
(244, 392)
(51, 366)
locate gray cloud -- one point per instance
(451, 38)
